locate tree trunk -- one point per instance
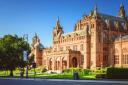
(11, 73)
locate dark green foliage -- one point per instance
(117, 73)
(11, 50)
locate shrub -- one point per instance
(117, 73)
(43, 69)
(71, 70)
(86, 71)
(66, 71)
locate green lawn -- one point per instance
(39, 74)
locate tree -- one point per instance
(11, 51)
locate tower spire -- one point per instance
(95, 7)
(35, 34)
(58, 22)
(121, 11)
(95, 10)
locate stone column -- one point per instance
(61, 64)
(68, 62)
(47, 64)
(78, 59)
(53, 64)
(120, 53)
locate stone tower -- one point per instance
(87, 46)
(57, 31)
(34, 40)
(96, 40)
(37, 50)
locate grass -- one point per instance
(65, 75)
(89, 77)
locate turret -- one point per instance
(57, 30)
(121, 11)
(37, 50)
(34, 40)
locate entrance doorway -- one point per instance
(74, 62)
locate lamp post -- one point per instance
(34, 66)
(25, 36)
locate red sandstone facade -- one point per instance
(92, 44)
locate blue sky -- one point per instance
(29, 16)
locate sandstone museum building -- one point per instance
(98, 40)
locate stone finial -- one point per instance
(95, 10)
(91, 13)
(58, 22)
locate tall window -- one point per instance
(125, 59)
(82, 59)
(99, 36)
(81, 47)
(116, 59)
(75, 47)
(105, 58)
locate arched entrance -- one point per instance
(64, 63)
(74, 62)
(50, 64)
(58, 64)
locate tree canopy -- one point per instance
(11, 52)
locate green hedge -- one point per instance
(79, 70)
(117, 73)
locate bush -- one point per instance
(67, 70)
(43, 69)
(71, 70)
(117, 73)
(86, 71)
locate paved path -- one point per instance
(15, 81)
